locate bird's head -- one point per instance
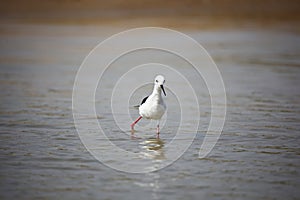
(159, 82)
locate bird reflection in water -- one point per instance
(153, 148)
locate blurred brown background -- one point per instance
(153, 12)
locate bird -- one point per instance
(153, 106)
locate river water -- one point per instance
(42, 157)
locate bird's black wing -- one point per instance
(144, 100)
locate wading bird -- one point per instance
(153, 106)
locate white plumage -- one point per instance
(153, 106)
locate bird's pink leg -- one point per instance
(157, 130)
(136, 121)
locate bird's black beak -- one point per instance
(163, 89)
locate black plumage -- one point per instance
(144, 100)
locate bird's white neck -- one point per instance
(157, 92)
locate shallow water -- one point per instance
(257, 156)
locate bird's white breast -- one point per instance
(153, 108)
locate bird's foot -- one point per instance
(157, 135)
(132, 130)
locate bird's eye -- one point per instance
(156, 81)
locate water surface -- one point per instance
(257, 156)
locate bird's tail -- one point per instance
(136, 106)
